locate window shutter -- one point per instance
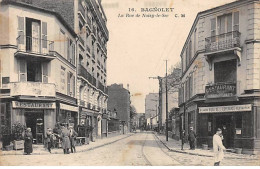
(68, 49)
(68, 83)
(44, 35)
(73, 53)
(45, 72)
(22, 70)
(213, 26)
(73, 85)
(236, 21)
(20, 30)
(229, 23)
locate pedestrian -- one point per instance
(28, 138)
(73, 135)
(192, 138)
(218, 147)
(65, 133)
(224, 133)
(49, 139)
(183, 138)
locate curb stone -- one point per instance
(84, 150)
(197, 154)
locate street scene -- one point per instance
(133, 83)
(141, 149)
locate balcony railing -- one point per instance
(222, 41)
(32, 89)
(34, 45)
(84, 73)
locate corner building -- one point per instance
(38, 68)
(220, 75)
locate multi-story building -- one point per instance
(88, 20)
(58, 54)
(220, 75)
(38, 68)
(119, 102)
(151, 109)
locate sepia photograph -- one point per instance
(129, 83)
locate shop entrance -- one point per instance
(34, 120)
(225, 121)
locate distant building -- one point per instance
(119, 102)
(151, 109)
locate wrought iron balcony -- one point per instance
(33, 45)
(222, 41)
(84, 73)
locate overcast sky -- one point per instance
(137, 47)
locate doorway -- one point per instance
(220, 122)
(34, 120)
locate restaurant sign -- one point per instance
(224, 109)
(33, 105)
(220, 90)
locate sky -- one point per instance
(139, 46)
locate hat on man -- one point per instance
(219, 129)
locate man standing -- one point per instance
(65, 140)
(73, 135)
(192, 138)
(218, 147)
(183, 138)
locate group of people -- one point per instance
(67, 135)
(219, 143)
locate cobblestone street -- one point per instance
(143, 149)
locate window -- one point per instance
(225, 71)
(236, 21)
(62, 78)
(70, 84)
(224, 23)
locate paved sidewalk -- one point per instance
(174, 145)
(40, 150)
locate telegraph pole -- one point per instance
(166, 88)
(160, 97)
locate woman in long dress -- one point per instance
(28, 142)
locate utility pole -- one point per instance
(166, 88)
(160, 99)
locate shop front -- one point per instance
(68, 114)
(234, 120)
(37, 115)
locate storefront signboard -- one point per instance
(33, 105)
(220, 90)
(68, 107)
(222, 109)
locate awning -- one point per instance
(68, 107)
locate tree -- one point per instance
(133, 112)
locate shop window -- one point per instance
(225, 71)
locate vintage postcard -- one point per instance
(129, 83)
